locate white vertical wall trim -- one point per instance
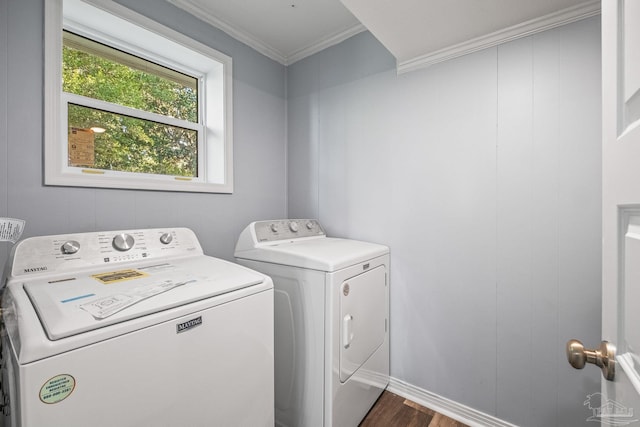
(524, 29)
(52, 81)
(451, 409)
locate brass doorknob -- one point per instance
(604, 357)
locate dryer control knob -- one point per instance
(293, 226)
(274, 228)
(70, 247)
(123, 242)
(166, 238)
(309, 225)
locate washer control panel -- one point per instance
(287, 229)
(49, 254)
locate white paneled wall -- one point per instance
(483, 176)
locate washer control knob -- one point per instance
(123, 242)
(166, 238)
(309, 225)
(274, 227)
(293, 226)
(70, 247)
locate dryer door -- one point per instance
(363, 318)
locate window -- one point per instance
(132, 104)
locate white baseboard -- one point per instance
(451, 409)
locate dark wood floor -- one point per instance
(392, 410)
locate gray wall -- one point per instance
(483, 176)
(259, 143)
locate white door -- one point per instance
(620, 404)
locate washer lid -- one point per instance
(324, 254)
(83, 302)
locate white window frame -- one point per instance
(111, 23)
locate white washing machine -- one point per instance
(134, 328)
(331, 320)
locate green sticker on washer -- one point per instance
(57, 388)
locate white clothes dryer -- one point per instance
(134, 328)
(331, 320)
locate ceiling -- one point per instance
(284, 30)
(416, 32)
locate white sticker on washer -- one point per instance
(11, 229)
(104, 307)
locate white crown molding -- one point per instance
(263, 48)
(556, 19)
(457, 411)
(239, 35)
(324, 43)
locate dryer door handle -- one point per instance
(347, 330)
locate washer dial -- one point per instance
(123, 242)
(70, 247)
